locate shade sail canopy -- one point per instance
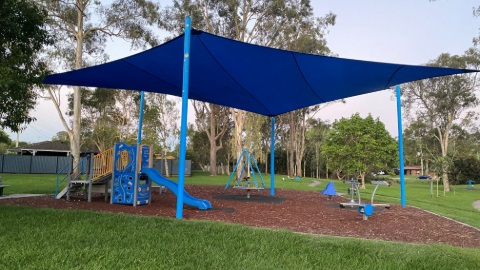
(258, 79)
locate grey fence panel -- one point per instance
(16, 164)
(62, 164)
(174, 167)
(159, 165)
(1, 163)
(44, 164)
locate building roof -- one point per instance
(46, 146)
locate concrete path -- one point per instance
(315, 183)
(476, 205)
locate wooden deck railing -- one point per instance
(103, 163)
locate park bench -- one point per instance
(2, 186)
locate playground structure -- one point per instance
(249, 173)
(124, 171)
(365, 209)
(129, 186)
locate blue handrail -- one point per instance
(69, 174)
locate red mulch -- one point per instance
(302, 211)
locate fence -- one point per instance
(53, 164)
(172, 165)
(32, 164)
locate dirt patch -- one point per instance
(476, 205)
(300, 211)
(314, 183)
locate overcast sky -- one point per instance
(396, 31)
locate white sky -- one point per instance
(396, 31)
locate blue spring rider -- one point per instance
(128, 185)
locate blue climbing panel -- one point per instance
(126, 175)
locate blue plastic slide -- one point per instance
(156, 177)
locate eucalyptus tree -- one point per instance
(360, 145)
(160, 122)
(198, 147)
(417, 146)
(315, 138)
(23, 34)
(214, 121)
(286, 24)
(99, 128)
(82, 27)
(443, 102)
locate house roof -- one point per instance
(415, 167)
(46, 146)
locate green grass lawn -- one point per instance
(29, 183)
(33, 238)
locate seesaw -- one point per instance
(354, 188)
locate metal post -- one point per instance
(272, 159)
(140, 120)
(183, 129)
(400, 147)
(138, 150)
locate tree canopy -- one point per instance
(22, 36)
(358, 145)
(442, 104)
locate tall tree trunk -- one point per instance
(444, 146)
(266, 163)
(291, 147)
(362, 177)
(326, 169)
(165, 160)
(77, 107)
(239, 120)
(228, 162)
(213, 144)
(300, 143)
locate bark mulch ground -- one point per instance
(298, 211)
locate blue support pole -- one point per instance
(400, 147)
(139, 152)
(272, 159)
(183, 128)
(140, 119)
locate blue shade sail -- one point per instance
(253, 78)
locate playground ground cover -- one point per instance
(456, 204)
(305, 210)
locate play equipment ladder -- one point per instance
(96, 174)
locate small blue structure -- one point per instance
(366, 210)
(470, 184)
(330, 190)
(128, 185)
